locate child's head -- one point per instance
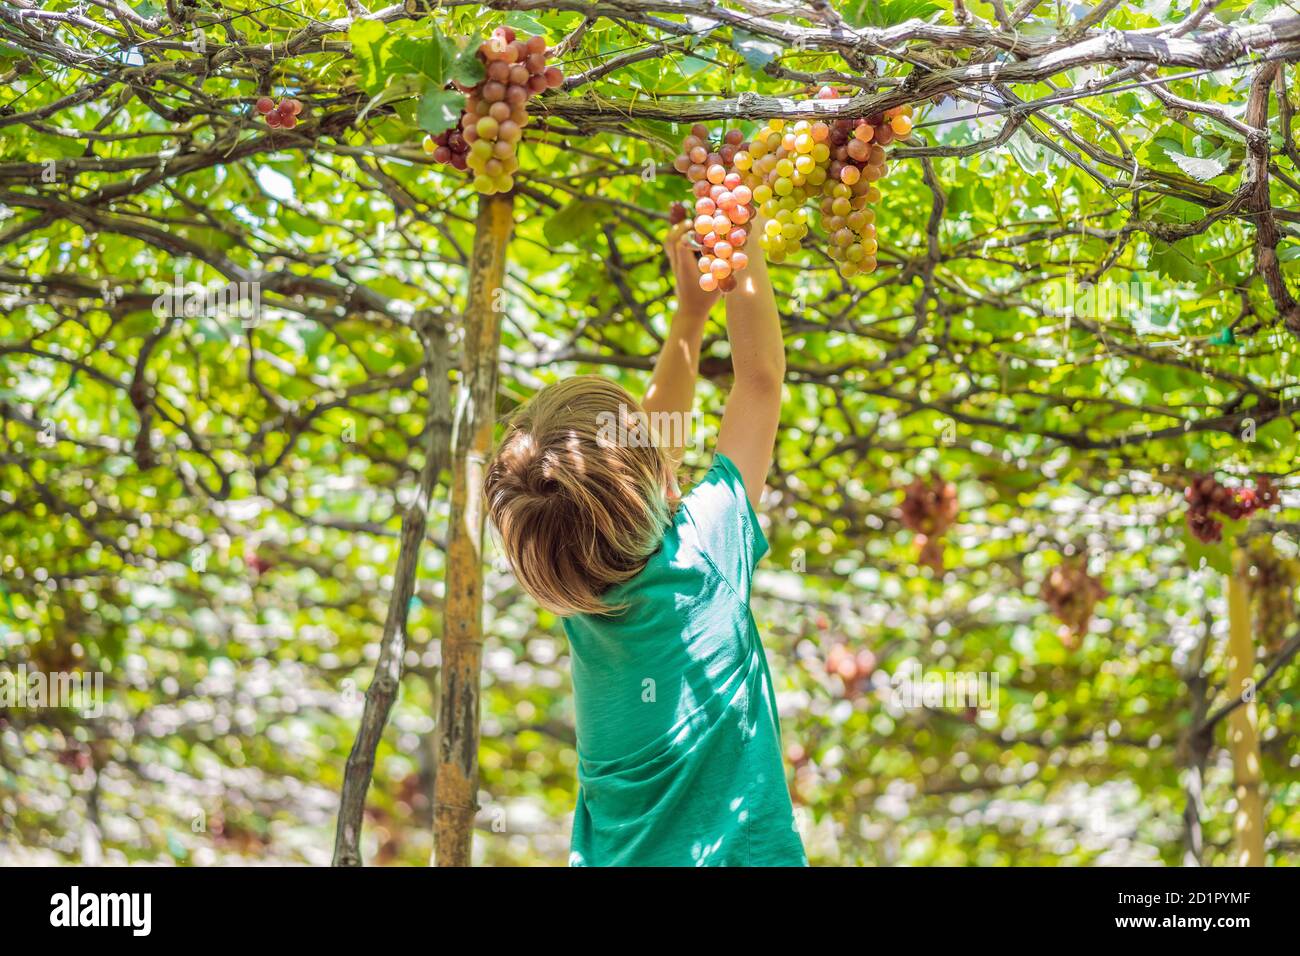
(579, 493)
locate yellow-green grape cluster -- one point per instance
(495, 113)
(723, 205)
(784, 166)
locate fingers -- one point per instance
(674, 237)
(678, 246)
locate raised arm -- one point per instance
(753, 411)
(672, 386)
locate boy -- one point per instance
(678, 739)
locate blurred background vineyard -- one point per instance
(229, 573)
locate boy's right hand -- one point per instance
(691, 299)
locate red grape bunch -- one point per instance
(449, 148)
(723, 205)
(1205, 495)
(1072, 593)
(282, 115)
(854, 668)
(929, 508)
(857, 163)
(495, 115)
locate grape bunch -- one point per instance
(857, 163)
(929, 508)
(854, 668)
(1072, 593)
(495, 115)
(282, 115)
(449, 148)
(838, 163)
(723, 205)
(783, 166)
(1205, 496)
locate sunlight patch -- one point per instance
(276, 184)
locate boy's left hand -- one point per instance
(691, 299)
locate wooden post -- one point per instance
(1243, 724)
(456, 785)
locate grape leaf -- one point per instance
(465, 66)
(371, 45)
(1217, 554)
(887, 13)
(757, 51)
(1198, 167)
(439, 109)
(425, 59)
(1175, 260)
(1277, 434)
(573, 221)
(1027, 153)
(525, 23)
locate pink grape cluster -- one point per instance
(723, 205)
(282, 115)
(495, 110)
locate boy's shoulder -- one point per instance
(716, 519)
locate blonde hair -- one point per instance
(579, 493)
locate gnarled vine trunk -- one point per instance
(392, 646)
(456, 787)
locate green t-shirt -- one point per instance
(679, 752)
